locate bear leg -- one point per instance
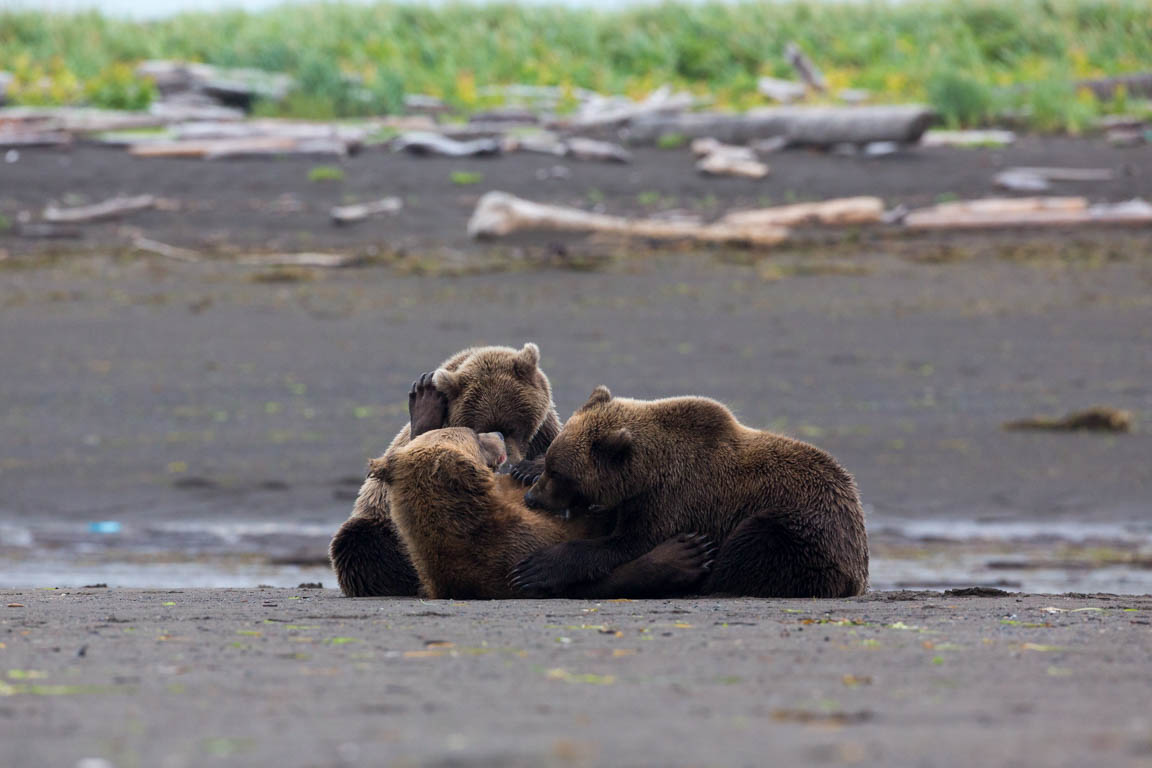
(762, 558)
(370, 560)
(673, 568)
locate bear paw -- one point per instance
(427, 406)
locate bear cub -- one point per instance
(486, 389)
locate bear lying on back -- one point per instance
(787, 516)
(487, 389)
(465, 527)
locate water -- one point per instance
(1021, 555)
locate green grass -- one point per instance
(466, 178)
(972, 59)
(326, 173)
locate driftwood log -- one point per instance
(840, 212)
(109, 209)
(499, 214)
(348, 214)
(820, 126)
(994, 213)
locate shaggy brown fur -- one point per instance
(488, 389)
(787, 515)
(466, 527)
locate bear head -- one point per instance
(497, 389)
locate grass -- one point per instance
(466, 178)
(971, 59)
(326, 173)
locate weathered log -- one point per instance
(167, 251)
(21, 139)
(109, 209)
(213, 147)
(323, 260)
(1008, 205)
(425, 143)
(348, 214)
(79, 119)
(741, 164)
(6, 79)
(499, 214)
(937, 138)
(604, 112)
(821, 126)
(1063, 212)
(1068, 174)
(590, 149)
(783, 91)
(809, 72)
(839, 212)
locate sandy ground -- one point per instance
(307, 678)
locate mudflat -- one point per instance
(303, 677)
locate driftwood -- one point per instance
(6, 79)
(783, 91)
(1040, 179)
(109, 209)
(1035, 212)
(821, 126)
(732, 161)
(286, 129)
(1101, 418)
(854, 96)
(323, 260)
(349, 214)
(719, 159)
(839, 212)
(590, 149)
(230, 87)
(967, 138)
(79, 119)
(427, 143)
(804, 67)
(1069, 174)
(604, 112)
(256, 146)
(14, 139)
(167, 251)
(499, 214)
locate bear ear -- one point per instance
(447, 382)
(614, 445)
(600, 395)
(527, 360)
(382, 469)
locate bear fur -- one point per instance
(787, 516)
(465, 527)
(487, 389)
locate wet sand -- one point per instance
(307, 678)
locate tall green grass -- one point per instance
(972, 60)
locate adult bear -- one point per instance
(487, 389)
(465, 526)
(787, 516)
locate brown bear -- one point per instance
(465, 526)
(488, 389)
(786, 515)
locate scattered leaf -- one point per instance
(853, 681)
